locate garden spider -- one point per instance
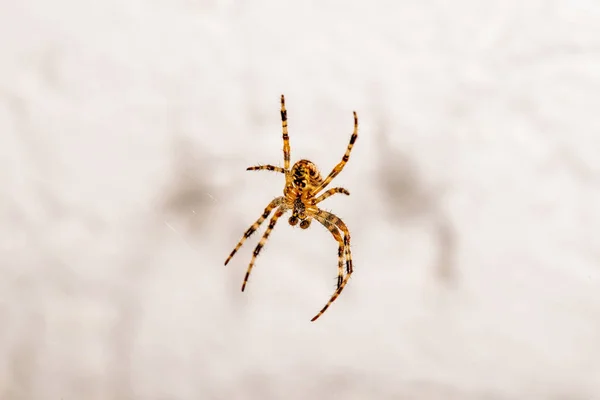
(302, 183)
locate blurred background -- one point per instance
(125, 131)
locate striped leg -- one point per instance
(267, 167)
(325, 215)
(286, 142)
(275, 203)
(332, 219)
(329, 193)
(333, 298)
(338, 168)
(262, 242)
(341, 254)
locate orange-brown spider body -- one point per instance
(305, 178)
(303, 182)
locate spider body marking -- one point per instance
(303, 182)
(305, 177)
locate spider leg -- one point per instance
(338, 168)
(333, 298)
(329, 193)
(341, 253)
(267, 167)
(276, 202)
(332, 219)
(262, 242)
(286, 142)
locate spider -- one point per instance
(303, 183)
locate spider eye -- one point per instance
(293, 220)
(305, 224)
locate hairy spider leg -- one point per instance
(341, 253)
(326, 215)
(267, 167)
(262, 242)
(321, 216)
(275, 203)
(338, 168)
(286, 143)
(329, 193)
(333, 298)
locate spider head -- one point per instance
(299, 214)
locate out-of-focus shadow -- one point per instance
(185, 204)
(407, 199)
(188, 197)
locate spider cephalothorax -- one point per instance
(302, 183)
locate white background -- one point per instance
(125, 131)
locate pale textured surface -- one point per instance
(125, 131)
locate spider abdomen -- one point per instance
(306, 175)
